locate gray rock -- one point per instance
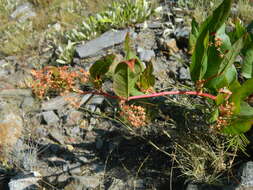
(15, 92)
(106, 40)
(11, 128)
(88, 182)
(99, 143)
(56, 135)
(98, 167)
(50, 117)
(86, 98)
(97, 100)
(74, 169)
(59, 102)
(74, 117)
(24, 182)
(191, 186)
(246, 174)
(179, 20)
(145, 55)
(117, 184)
(92, 101)
(182, 32)
(151, 25)
(63, 178)
(28, 103)
(184, 74)
(23, 12)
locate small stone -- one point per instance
(117, 184)
(59, 102)
(63, 178)
(179, 20)
(11, 128)
(28, 103)
(97, 100)
(74, 118)
(106, 40)
(88, 182)
(99, 143)
(146, 55)
(182, 33)
(21, 9)
(74, 169)
(86, 98)
(15, 92)
(184, 74)
(246, 174)
(22, 182)
(56, 135)
(83, 159)
(23, 12)
(171, 45)
(191, 186)
(50, 117)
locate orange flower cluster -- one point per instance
(57, 80)
(135, 115)
(226, 112)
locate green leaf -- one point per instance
(238, 31)
(214, 62)
(247, 67)
(241, 93)
(194, 35)
(214, 115)
(199, 58)
(246, 111)
(125, 78)
(101, 67)
(212, 24)
(147, 79)
(230, 57)
(128, 49)
(223, 80)
(238, 126)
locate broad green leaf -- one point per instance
(199, 58)
(128, 49)
(246, 111)
(230, 57)
(238, 126)
(147, 79)
(194, 35)
(125, 78)
(238, 31)
(247, 67)
(241, 93)
(101, 67)
(223, 80)
(136, 92)
(214, 62)
(211, 25)
(214, 115)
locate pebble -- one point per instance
(145, 55)
(50, 117)
(106, 40)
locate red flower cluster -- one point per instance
(135, 115)
(57, 80)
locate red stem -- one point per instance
(147, 95)
(173, 93)
(156, 94)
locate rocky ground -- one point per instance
(58, 146)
